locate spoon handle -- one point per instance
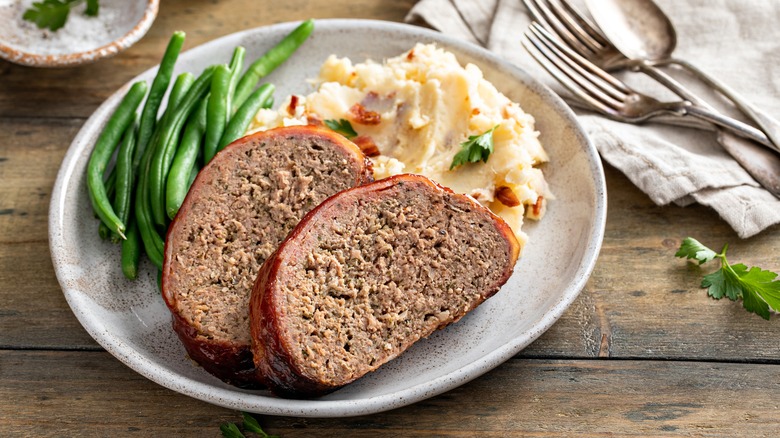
(770, 126)
(761, 164)
(709, 114)
(735, 126)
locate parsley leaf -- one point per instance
(759, 289)
(230, 430)
(53, 14)
(251, 424)
(718, 286)
(476, 148)
(693, 249)
(92, 8)
(342, 126)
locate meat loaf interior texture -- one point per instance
(368, 273)
(239, 210)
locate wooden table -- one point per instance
(643, 351)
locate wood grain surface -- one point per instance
(642, 352)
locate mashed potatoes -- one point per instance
(412, 113)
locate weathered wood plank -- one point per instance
(641, 301)
(92, 394)
(77, 92)
(33, 310)
(31, 151)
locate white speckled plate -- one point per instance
(130, 320)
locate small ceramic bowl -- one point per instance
(82, 40)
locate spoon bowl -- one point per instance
(638, 28)
(642, 31)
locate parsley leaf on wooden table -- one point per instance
(53, 14)
(758, 288)
(230, 430)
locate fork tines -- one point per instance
(561, 18)
(587, 81)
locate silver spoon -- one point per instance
(641, 31)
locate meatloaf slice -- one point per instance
(240, 207)
(366, 274)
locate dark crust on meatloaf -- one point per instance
(272, 354)
(230, 361)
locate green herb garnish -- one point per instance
(342, 126)
(757, 288)
(230, 430)
(476, 148)
(53, 14)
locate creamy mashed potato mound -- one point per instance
(412, 113)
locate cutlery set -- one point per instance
(579, 54)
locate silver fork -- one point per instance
(562, 19)
(612, 97)
(574, 28)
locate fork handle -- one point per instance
(735, 126)
(710, 114)
(665, 79)
(696, 107)
(762, 164)
(769, 125)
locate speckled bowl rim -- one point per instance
(73, 59)
(235, 398)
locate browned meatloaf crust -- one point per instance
(240, 207)
(366, 274)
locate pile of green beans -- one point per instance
(157, 159)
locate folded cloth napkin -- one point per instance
(733, 40)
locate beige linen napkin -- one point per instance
(734, 40)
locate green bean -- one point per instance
(103, 231)
(166, 145)
(241, 119)
(193, 174)
(186, 157)
(217, 115)
(153, 243)
(110, 183)
(236, 66)
(180, 88)
(124, 176)
(104, 149)
(131, 251)
(178, 94)
(270, 60)
(156, 93)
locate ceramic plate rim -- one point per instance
(232, 398)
